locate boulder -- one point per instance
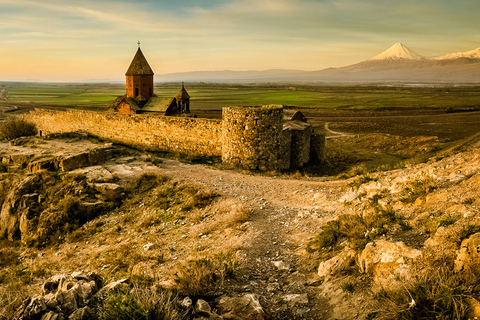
(50, 316)
(84, 313)
(336, 264)
(109, 190)
(64, 296)
(469, 253)
(9, 217)
(186, 303)
(39, 165)
(35, 308)
(202, 308)
(281, 265)
(72, 162)
(295, 300)
(240, 308)
(388, 262)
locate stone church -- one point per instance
(140, 96)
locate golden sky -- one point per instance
(63, 40)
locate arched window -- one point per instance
(136, 92)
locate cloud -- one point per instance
(190, 34)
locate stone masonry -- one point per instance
(252, 138)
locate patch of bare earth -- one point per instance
(266, 222)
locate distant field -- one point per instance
(214, 97)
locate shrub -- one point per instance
(327, 237)
(437, 295)
(8, 256)
(348, 287)
(417, 188)
(358, 229)
(357, 183)
(16, 128)
(199, 277)
(442, 220)
(148, 181)
(121, 305)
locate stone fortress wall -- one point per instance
(253, 138)
(149, 132)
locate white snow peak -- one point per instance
(398, 52)
(472, 54)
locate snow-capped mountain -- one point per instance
(396, 64)
(398, 52)
(472, 54)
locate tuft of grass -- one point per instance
(200, 277)
(418, 188)
(469, 201)
(447, 221)
(437, 295)
(467, 230)
(148, 181)
(140, 303)
(357, 183)
(357, 229)
(443, 220)
(348, 287)
(16, 128)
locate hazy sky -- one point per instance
(82, 40)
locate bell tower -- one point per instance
(183, 100)
(139, 78)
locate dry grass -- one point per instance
(16, 128)
(417, 188)
(439, 294)
(357, 229)
(203, 276)
(140, 303)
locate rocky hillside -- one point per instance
(90, 227)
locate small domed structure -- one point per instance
(183, 100)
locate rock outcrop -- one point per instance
(388, 261)
(19, 202)
(63, 297)
(469, 253)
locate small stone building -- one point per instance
(140, 96)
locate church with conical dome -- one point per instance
(140, 96)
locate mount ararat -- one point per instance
(396, 64)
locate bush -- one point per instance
(356, 184)
(16, 128)
(199, 277)
(148, 181)
(417, 188)
(358, 229)
(437, 295)
(121, 305)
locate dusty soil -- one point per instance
(287, 211)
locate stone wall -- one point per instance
(252, 137)
(150, 132)
(317, 147)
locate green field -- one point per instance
(215, 96)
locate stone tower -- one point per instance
(183, 100)
(139, 78)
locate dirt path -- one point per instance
(286, 214)
(336, 134)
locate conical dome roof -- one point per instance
(183, 94)
(139, 65)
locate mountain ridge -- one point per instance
(396, 64)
